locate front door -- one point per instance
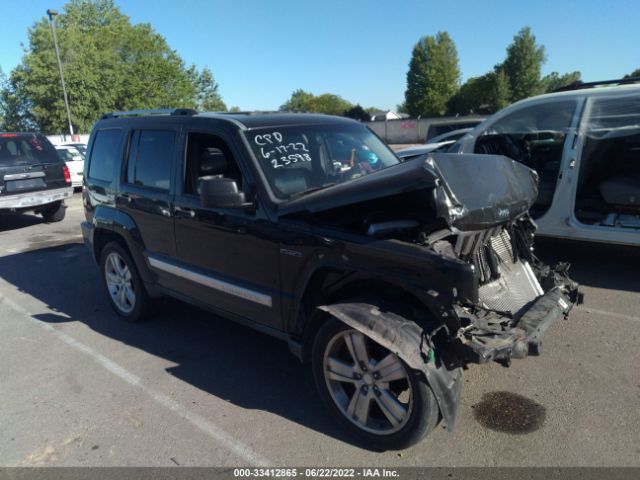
(227, 258)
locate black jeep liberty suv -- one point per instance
(388, 277)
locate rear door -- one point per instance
(28, 163)
(145, 189)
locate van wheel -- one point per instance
(370, 391)
(122, 283)
(54, 213)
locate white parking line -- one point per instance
(608, 314)
(215, 432)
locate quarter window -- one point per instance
(104, 155)
(149, 162)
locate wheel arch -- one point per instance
(113, 225)
(328, 285)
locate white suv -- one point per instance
(585, 146)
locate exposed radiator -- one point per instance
(505, 284)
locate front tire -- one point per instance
(371, 392)
(122, 283)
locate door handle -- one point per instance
(184, 212)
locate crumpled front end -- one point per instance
(519, 297)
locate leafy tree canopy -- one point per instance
(634, 74)
(523, 64)
(108, 63)
(328, 103)
(358, 113)
(433, 76)
(554, 80)
(208, 98)
(481, 95)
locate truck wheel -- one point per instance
(371, 392)
(54, 213)
(123, 285)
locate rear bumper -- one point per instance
(22, 201)
(503, 338)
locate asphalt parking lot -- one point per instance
(82, 388)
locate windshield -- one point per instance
(25, 149)
(302, 158)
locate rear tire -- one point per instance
(398, 412)
(54, 213)
(122, 283)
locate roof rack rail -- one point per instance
(253, 112)
(159, 111)
(579, 85)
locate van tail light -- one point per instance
(67, 175)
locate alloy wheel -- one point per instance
(368, 383)
(119, 283)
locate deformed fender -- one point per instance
(407, 340)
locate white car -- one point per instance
(75, 162)
(441, 143)
(585, 146)
(80, 147)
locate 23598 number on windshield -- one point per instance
(285, 161)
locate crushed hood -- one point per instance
(470, 192)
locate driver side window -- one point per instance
(208, 155)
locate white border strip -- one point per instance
(211, 282)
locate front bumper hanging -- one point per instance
(493, 336)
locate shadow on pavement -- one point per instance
(16, 221)
(229, 361)
(224, 359)
(611, 267)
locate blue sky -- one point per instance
(260, 51)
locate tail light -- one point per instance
(67, 175)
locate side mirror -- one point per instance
(220, 192)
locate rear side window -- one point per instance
(31, 149)
(149, 162)
(105, 154)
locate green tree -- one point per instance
(501, 90)
(554, 80)
(358, 113)
(15, 108)
(302, 101)
(634, 74)
(433, 76)
(330, 104)
(481, 95)
(3, 87)
(208, 98)
(400, 108)
(523, 64)
(108, 63)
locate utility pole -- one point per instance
(52, 21)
